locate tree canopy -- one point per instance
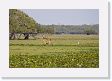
(20, 22)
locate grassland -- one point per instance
(64, 53)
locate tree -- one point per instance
(45, 29)
(20, 22)
(89, 31)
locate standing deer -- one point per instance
(46, 40)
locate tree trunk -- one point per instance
(26, 36)
(19, 36)
(88, 33)
(12, 36)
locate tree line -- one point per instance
(20, 23)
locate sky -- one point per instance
(64, 16)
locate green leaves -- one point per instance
(54, 61)
(20, 22)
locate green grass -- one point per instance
(64, 53)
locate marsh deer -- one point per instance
(46, 40)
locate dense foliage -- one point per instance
(45, 29)
(74, 29)
(20, 22)
(60, 60)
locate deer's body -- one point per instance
(46, 41)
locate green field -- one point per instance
(64, 53)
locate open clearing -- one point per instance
(67, 51)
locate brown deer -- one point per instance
(46, 40)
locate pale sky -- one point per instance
(64, 16)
